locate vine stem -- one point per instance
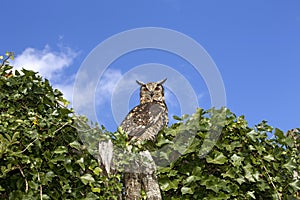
(41, 187)
(4, 61)
(272, 181)
(26, 182)
(65, 124)
(31, 143)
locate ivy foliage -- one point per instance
(212, 154)
(41, 154)
(244, 163)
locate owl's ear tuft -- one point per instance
(140, 83)
(161, 82)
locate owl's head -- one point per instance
(152, 91)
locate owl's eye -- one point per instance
(157, 88)
(144, 88)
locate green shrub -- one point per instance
(211, 155)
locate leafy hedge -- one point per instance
(245, 163)
(42, 155)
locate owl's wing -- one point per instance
(144, 121)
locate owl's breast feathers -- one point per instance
(144, 121)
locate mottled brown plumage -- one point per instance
(143, 123)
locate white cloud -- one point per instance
(171, 98)
(200, 96)
(113, 91)
(48, 63)
(106, 85)
(89, 92)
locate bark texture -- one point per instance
(144, 178)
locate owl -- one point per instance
(144, 121)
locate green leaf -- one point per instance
(240, 180)
(97, 171)
(218, 159)
(81, 163)
(192, 179)
(92, 196)
(236, 160)
(290, 165)
(279, 134)
(75, 145)
(57, 159)
(214, 183)
(97, 190)
(263, 186)
(186, 190)
(48, 177)
(45, 197)
(28, 73)
(197, 171)
(249, 172)
(269, 158)
(166, 184)
(229, 173)
(289, 142)
(87, 178)
(251, 194)
(177, 118)
(163, 141)
(295, 185)
(61, 150)
(253, 135)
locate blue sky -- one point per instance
(254, 44)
